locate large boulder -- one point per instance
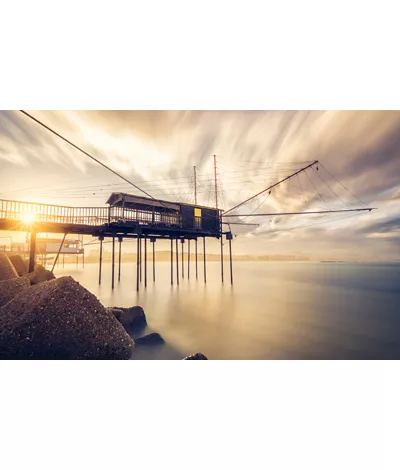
(9, 289)
(7, 270)
(60, 319)
(39, 275)
(19, 264)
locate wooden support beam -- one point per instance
(58, 253)
(145, 261)
(222, 259)
(32, 252)
(119, 258)
(204, 259)
(101, 258)
(189, 258)
(177, 261)
(172, 263)
(137, 263)
(113, 262)
(196, 256)
(183, 266)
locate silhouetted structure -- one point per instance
(127, 216)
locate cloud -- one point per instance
(360, 148)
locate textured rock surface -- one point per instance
(60, 319)
(132, 318)
(117, 312)
(9, 289)
(196, 356)
(39, 274)
(152, 339)
(19, 264)
(7, 270)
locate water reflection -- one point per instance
(274, 310)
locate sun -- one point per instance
(28, 217)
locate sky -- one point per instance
(358, 151)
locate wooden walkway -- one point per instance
(96, 221)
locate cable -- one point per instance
(310, 225)
(317, 191)
(346, 205)
(85, 153)
(343, 185)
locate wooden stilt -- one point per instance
(204, 259)
(230, 257)
(119, 257)
(189, 259)
(154, 260)
(58, 253)
(140, 258)
(177, 261)
(32, 252)
(137, 263)
(145, 261)
(113, 262)
(196, 256)
(222, 259)
(101, 258)
(172, 262)
(183, 266)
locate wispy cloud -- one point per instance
(360, 148)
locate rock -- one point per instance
(196, 356)
(7, 270)
(9, 289)
(149, 340)
(60, 319)
(133, 318)
(19, 264)
(40, 274)
(117, 312)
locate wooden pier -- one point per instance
(127, 216)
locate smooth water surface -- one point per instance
(274, 310)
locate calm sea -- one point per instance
(273, 311)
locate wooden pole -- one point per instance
(204, 259)
(137, 264)
(230, 259)
(101, 258)
(189, 259)
(119, 258)
(140, 258)
(172, 267)
(32, 252)
(145, 261)
(154, 261)
(222, 259)
(196, 257)
(183, 266)
(113, 262)
(58, 253)
(177, 262)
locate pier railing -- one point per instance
(30, 212)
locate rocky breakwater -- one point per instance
(42, 317)
(46, 318)
(60, 319)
